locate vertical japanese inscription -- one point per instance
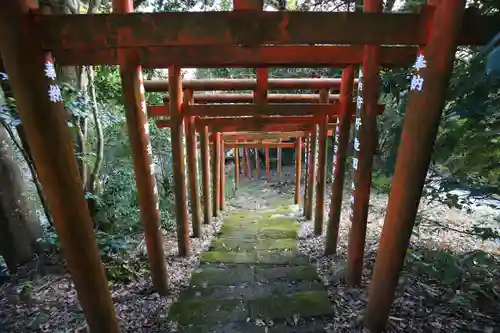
(50, 72)
(357, 143)
(417, 81)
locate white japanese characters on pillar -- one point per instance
(417, 81)
(357, 143)
(335, 150)
(142, 91)
(54, 92)
(150, 149)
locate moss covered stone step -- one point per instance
(253, 244)
(285, 273)
(256, 233)
(250, 291)
(268, 258)
(198, 312)
(215, 276)
(208, 275)
(304, 304)
(258, 327)
(229, 257)
(291, 258)
(260, 224)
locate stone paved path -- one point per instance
(253, 279)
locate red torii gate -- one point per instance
(192, 39)
(215, 111)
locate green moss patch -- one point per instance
(223, 276)
(188, 312)
(305, 304)
(229, 257)
(255, 244)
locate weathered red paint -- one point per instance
(248, 145)
(257, 164)
(234, 136)
(194, 195)
(236, 167)
(245, 84)
(258, 124)
(307, 146)
(204, 98)
(138, 132)
(321, 179)
(298, 168)
(255, 110)
(244, 162)
(158, 111)
(260, 92)
(278, 162)
(420, 127)
(222, 170)
(340, 152)
(174, 78)
(248, 162)
(236, 56)
(311, 180)
(205, 176)
(162, 110)
(84, 32)
(248, 4)
(367, 135)
(216, 174)
(268, 162)
(50, 142)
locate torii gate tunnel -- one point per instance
(244, 37)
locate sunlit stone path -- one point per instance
(253, 279)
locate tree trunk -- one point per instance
(19, 227)
(24, 147)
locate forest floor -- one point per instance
(450, 281)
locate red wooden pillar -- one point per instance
(249, 164)
(260, 93)
(340, 151)
(268, 165)
(423, 113)
(44, 121)
(364, 146)
(244, 161)
(205, 175)
(138, 131)
(175, 92)
(321, 180)
(278, 163)
(236, 168)
(306, 175)
(192, 167)
(216, 173)
(298, 168)
(257, 164)
(222, 175)
(312, 173)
